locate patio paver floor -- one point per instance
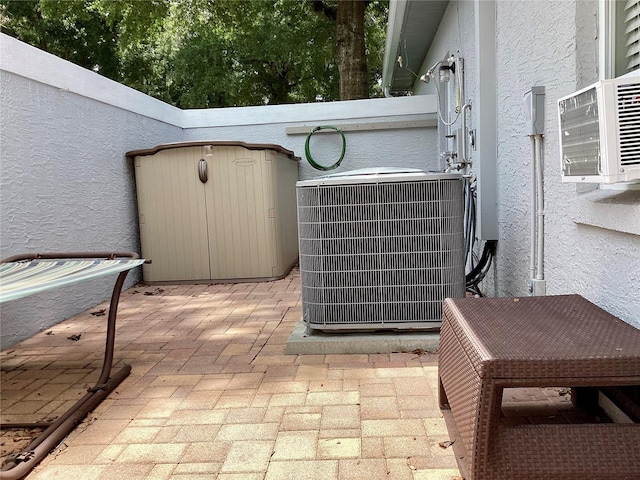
(213, 395)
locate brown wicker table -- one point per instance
(488, 345)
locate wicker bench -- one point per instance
(491, 344)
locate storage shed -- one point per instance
(216, 211)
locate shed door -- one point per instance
(241, 212)
(172, 212)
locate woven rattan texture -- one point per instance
(491, 344)
(515, 340)
(461, 384)
(569, 452)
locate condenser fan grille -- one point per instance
(380, 255)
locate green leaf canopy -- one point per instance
(200, 53)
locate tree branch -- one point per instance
(319, 6)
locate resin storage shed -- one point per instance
(217, 211)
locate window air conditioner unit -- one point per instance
(600, 132)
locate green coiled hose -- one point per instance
(310, 158)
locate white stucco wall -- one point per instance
(373, 147)
(602, 264)
(541, 57)
(592, 242)
(65, 184)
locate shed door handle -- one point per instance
(202, 170)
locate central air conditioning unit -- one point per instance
(380, 249)
(600, 132)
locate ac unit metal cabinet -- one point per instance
(380, 251)
(221, 211)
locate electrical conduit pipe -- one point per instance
(537, 285)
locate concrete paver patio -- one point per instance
(213, 395)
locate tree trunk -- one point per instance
(352, 59)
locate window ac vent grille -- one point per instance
(600, 132)
(629, 122)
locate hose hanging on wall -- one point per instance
(307, 150)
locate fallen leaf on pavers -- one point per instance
(99, 313)
(446, 444)
(133, 292)
(74, 338)
(418, 351)
(59, 450)
(50, 332)
(157, 291)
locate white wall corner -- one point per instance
(26, 61)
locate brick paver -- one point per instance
(213, 395)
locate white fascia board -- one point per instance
(394, 30)
(24, 60)
(485, 107)
(310, 112)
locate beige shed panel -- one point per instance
(172, 215)
(239, 224)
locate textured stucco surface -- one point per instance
(67, 186)
(534, 48)
(384, 148)
(529, 57)
(63, 168)
(372, 146)
(601, 264)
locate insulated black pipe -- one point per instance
(487, 253)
